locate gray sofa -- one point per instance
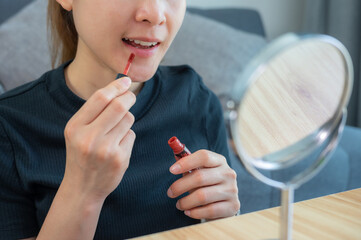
(218, 44)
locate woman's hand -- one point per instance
(99, 141)
(98, 147)
(212, 186)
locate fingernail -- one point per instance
(178, 206)
(175, 169)
(125, 81)
(187, 213)
(170, 193)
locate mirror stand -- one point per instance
(287, 190)
(287, 195)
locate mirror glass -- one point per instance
(291, 95)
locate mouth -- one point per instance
(140, 44)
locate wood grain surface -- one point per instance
(336, 216)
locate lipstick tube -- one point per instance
(179, 149)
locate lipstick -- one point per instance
(179, 149)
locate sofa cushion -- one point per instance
(248, 20)
(350, 143)
(216, 51)
(9, 7)
(24, 53)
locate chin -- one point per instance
(141, 75)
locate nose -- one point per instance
(151, 11)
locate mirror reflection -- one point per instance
(291, 98)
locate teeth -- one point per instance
(146, 44)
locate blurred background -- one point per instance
(340, 19)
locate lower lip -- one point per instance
(142, 52)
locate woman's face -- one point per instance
(110, 30)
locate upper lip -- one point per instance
(145, 39)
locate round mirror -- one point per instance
(289, 101)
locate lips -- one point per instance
(140, 44)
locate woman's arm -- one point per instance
(71, 215)
(98, 148)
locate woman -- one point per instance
(70, 167)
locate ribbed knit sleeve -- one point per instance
(17, 210)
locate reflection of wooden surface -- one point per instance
(335, 216)
(298, 92)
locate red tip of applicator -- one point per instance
(130, 60)
(176, 145)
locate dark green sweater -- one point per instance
(174, 102)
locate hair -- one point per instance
(62, 33)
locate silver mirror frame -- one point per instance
(328, 135)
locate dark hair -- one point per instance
(62, 33)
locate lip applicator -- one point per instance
(130, 60)
(127, 67)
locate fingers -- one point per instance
(199, 159)
(215, 210)
(205, 196)
(212, 186)
(114, 112)
(124, 152)
(122, 128)
(195, 179)
(127, 143)
(100, 100)
(99, 140)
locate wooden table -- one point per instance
(336, 216)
